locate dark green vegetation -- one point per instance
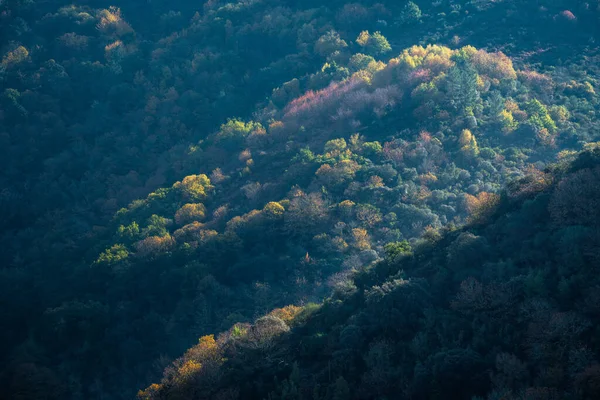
(506, 309)
(343, 147)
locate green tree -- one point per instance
(539, 117)
(273, 210)
(113, 255)
(462, 92)
(375, 44)
(233, 133)
(129, 232)
(411, 13)
(360, 61)
(156, 226)
(330, 43)
(305, 155)
(194, 187)
(372, 149)
(395, 250)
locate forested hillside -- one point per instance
(173, 169)
(506, 308)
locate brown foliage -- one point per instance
(191, 375)
(189, 213)
(287, 313)
(195, 234)
(217, 176)
(262, 335)
(481, 206)
(306, 212)
(361, 239)
(494, 65)
(394, 151)
(154, 245)
(338, 174)
(111, 22)
(534, 181)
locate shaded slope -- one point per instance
(506, 308)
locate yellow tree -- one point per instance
(194, 187)
(189, 213)
(154, 245)
(273, 210)
(468, 144)
(361, 239)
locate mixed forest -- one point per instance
(275, 199)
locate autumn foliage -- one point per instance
(175, 169)
(482, 206)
